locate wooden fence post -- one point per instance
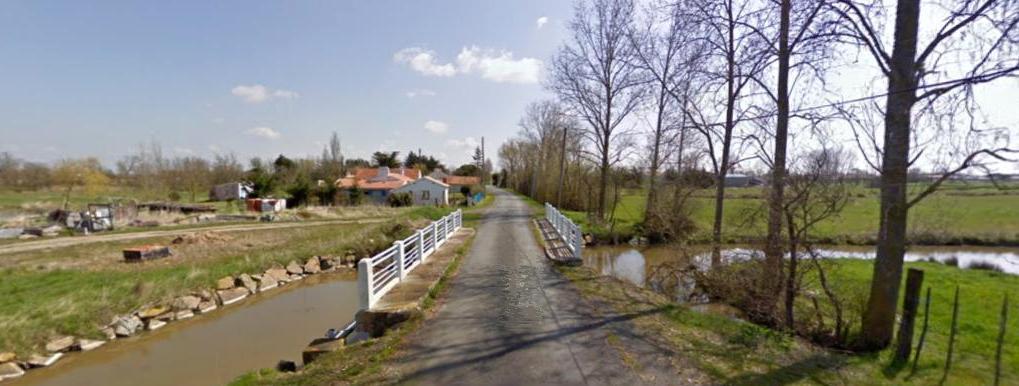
(951, 336)
(923, 332)
(914, 282)
(1002, 324)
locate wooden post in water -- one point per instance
(923, 332)
(914, 282)
(1001, 341)
(951, 336)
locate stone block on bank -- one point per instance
(231, 296)
(60, 344)
(320, 346)
(153, 312)
(7, 357)
(312, 266)
(183, 314)
(293, 268)
(225, 283)
(376, 322)
(245, 280)
(127, 325)
(155, 324)
(188, 302)
(207, 307)
(44, 360)
(10, 370)
(89, 344)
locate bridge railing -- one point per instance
(378, 274)
(568, 230)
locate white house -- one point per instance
(426, 191)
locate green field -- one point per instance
(959, 214)
(736, 352)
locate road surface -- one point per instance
(511, 319)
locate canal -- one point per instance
(214, 349)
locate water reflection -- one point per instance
(658, 267)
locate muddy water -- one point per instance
(216, 348)
(643, 266)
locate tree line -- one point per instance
(686, 89)
(147, 169)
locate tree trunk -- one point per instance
(773, 246)
(723, 166)
(879, 318)
(655, 154)
(603, 185)
(562, 170)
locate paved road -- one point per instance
(511, 319)
(58, 242)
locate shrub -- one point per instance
(985, 266)
(400, 199)
(952, 261)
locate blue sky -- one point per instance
(263, 78)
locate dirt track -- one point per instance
(59, 242)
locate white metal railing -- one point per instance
(378, 274)
(567, 229)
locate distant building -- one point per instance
(230, 191)
(378, 183)
(427, 191)
(742, 181)
(456, 182)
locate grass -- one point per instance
(960, 214)
(363, 362)
(734, 352)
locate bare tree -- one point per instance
(666, 53)
(975, 42)
(729, 31)
(594, 76)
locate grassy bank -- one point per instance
(959, 214)
(76, 290)
(735, 352)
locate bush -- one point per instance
(399, 200)
(952, 261)
(985, 266)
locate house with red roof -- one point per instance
(378, 183)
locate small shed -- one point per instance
(426, 191)
(229, 191)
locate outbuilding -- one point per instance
(426, 191)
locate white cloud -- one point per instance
(467, 145)
(214, 148)
(436, 127)
(423, 61)
(496, 65)
(541, 21)
(264, 132)
(183, 150)
(257, 93)
(420, 92)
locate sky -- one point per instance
(278, 77)
(266, 78)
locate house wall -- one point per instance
(437, 194)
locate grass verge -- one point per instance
(731, 351)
